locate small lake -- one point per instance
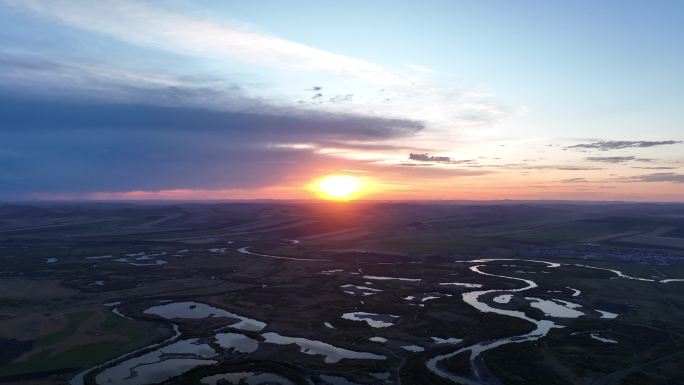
(413, 348)
(142, 261)
(383, 278)
(462, 284)
(159, 365)
(359, 290)
(331, 272)
(446, 341)
(331, 354)
(552, 308)
(607, 314)
(372, 319)
(384, 376)
(672, 280)
(197, 310)
(100, 257)
(602, 339)
(237, 342)
(248, 378)
(424, 297)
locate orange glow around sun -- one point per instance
(338, 187)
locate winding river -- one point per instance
(473, 299)
(245, 250)
(79, 379)
(479, 374)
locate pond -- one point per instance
(553, 309)
(383, 278)
(237, 342)
(248, 378)
(331, 354)
(372, 319)
(159, 365)
(197, 310)
(359, 290)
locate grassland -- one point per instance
(56, 312)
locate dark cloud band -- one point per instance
(620, 144)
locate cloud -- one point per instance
(262, 124)
(620, 144)
(159, 27)
(544, 186)
(424, 157)
(575, 180)
(429, 158)
(350, 145)
(618, 159)
(656, 177)
(414, 172)
(85, 146)
(37, 76)
(419, 68)
(656, 168)
(264, 64)
(564, 168)
(610, 159)
(184, 102)
(341, 98)
(550, 167)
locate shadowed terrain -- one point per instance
(342, 293)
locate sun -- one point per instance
(338, 187)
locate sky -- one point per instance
(418, 100)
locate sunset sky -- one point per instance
(416, 99)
